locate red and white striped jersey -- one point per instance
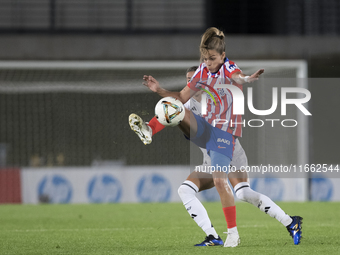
(219, 114)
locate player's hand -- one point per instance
(255, 76)
(151, 83)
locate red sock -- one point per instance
(155, 126)
(230, 216)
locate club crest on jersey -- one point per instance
(222, 140)
(221, 92)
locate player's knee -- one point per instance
(221, 184)
(218, 183)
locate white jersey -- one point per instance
(239, 156)
(193, 105)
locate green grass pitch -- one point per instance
(162, 228)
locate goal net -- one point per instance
(76, 113)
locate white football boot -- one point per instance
(233, 240)
(140, 128)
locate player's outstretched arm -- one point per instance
(240, 78)
(255, 76)
(153, 85)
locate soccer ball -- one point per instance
(169, 111)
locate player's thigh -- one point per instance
(220, 180)
(189, 124)
(202, 180)
(239, 163)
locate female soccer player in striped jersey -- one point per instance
(203, 180)
(219, 140)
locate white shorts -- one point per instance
(239, 159)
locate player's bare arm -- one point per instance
(184, 95)
(241, 78)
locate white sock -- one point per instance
(187, 192)
(232, 230)
(264, 203)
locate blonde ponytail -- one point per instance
(212, 39)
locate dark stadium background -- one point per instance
(158, 30)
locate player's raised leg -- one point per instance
(169, 112)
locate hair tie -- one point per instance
(219, 36)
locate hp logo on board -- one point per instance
(321, 189)
(54, 189)
(104, 189)
(153, 188)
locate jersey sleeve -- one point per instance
(231, 68)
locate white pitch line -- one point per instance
(75, 229)
(122, 229)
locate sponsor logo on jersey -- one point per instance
(222, 140)
(231, 67)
